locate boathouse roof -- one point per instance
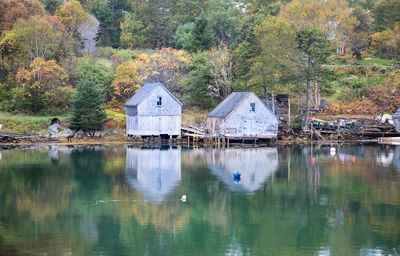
(144, 92)
(231, 103)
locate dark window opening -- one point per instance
(253, 107)
(159, 102)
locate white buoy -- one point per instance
(333, 151)
(184, 198)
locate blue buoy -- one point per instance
(236, 175)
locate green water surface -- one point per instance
(124, 200)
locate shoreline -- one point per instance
(191, 145)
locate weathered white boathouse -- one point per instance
(242, 115)
(396, 120)
(153, 111)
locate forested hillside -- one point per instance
(338, 56)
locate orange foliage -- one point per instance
(11, 11)
(43, 75)
(167, 66)
(126, 81)
(386, 96)
(45, 81)
(383, 98)
(360, 107)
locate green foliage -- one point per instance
(296, 122)
(110, 14)
(387, 13)
(358, 38)
(182, 35)
(52, 5)
(88, 112)
(99, 74)
(133, 33)
(224, 24)
(198, 80)
(29, 39)
(274, 62)
(23, 124)
(201, 37)
(313, 44)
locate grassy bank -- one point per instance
(25, 124)
(28, 124)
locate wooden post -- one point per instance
(188, 141)
(228, 143)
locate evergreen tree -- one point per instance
(88, 113)
(201, 37)
(314, 51)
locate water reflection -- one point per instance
(153, 172)
(290, 201)
(255, 166)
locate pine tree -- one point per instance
(88, 113)
(201, 37)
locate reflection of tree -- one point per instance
(305, 208)
(34, 192)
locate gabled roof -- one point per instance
(230, 103)
(144, 92)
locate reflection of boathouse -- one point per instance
(153, 172)
(255, 165)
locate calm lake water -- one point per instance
(125, 201)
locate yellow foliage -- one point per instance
(330, 16)
(43, 75)
(387, 43)
(72, 15)
(126, 81)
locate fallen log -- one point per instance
(25, 138)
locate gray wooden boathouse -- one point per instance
(153, 111)
(396, 120)
(242, 115)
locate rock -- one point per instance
(88, 31)
(96, 134)
(53, 129)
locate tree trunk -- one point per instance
(288, 100)
(273, 99)
(308, 94)
(316, 95)
(300, 98)
(266, 96)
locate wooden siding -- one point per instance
(260, 164)
(153, 172)
(242, 122)
(148, 119)
(153, 125)
(169, 107)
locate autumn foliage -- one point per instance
(376, 100)
(44, 83)
(126, 81)
(11, 11)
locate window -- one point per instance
(159, 102)
(252, 107)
